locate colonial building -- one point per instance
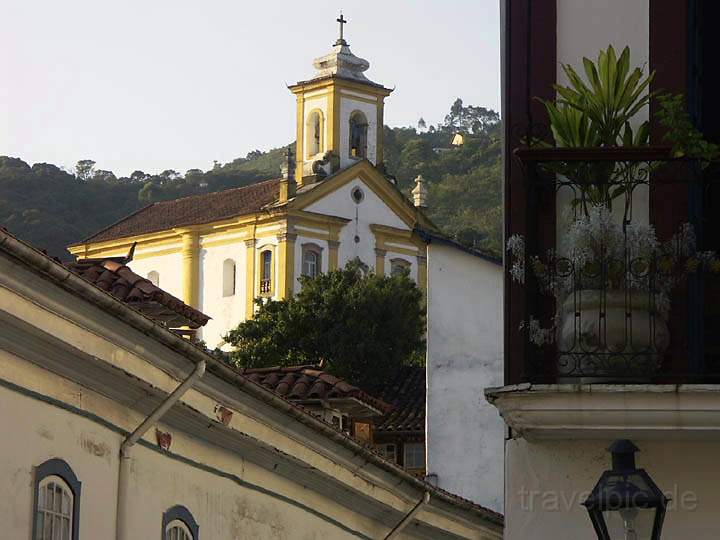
(604, 377)
(117, 427)
(219, 252)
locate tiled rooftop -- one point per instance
(406, 393)
(193, 210)
(299, 383)
(125, 285)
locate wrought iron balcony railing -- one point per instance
(619, 279)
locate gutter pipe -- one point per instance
(404, 522)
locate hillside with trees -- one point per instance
(50, 207)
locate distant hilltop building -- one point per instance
(333, 203)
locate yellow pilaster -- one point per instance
(380, 261)
(333, 119)
(249, 279)
(380, 132)
(333, 248)
(300, 145)
(286, 265)
(422, 273)
(191, 267)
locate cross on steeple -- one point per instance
(342, 21)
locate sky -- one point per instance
(161, 84)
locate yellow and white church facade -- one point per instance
(218, 252)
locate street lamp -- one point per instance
(626, 504)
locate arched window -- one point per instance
(179, 524)
(154, 278)
(311, 260)
(358, 135)
(228, 282)
(399, 266)
(314, 130)
(266, 272)
(57, 502)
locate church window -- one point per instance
(179, 524)
(311, 260)
(228, 281)
(314, 133)
(414, 455)
(266, 272)
(358, 135)
(57, 502)
(154, 278)
(399, 266)
(357, 195)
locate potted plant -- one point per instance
(611, 277)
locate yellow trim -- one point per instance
(227, 241)
(321, 144)
(305, 87)
(191, 267)
(361, 99)
(379, 131)
(159, 253)
(333, 246)
(286, 265)
(300, 144)
(249, 278)
(400, 250)
(380, 261)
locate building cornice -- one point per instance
(609, 411)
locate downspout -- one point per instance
(121, 530)
(409, 517)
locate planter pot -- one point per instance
(610, 336)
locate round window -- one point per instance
(357, 195)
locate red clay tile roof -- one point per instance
(194, 210)
(406, 393)
(125, 285)
(298, 383)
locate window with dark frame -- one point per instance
(179, 524)
(266, 272)
(56, 513)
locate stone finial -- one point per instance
(420, 192)
(287, 183)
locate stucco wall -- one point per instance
(226, 311)
(464, 355)
(547, 480)
(372, 210)
(168, 266)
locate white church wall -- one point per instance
(372, 210)
(324, 255)
(226, 311)
(464, 433)
(168, 267)
(347, 106)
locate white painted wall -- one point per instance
(372, 210)
(347, 106)
(464, 433)
(324, 255)
(169, 267)
(226, 311)
(547, 480)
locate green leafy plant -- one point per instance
(685, 138)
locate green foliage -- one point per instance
(361, 327)
(686, 139)
(598, 112)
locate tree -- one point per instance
(84, 169)
(422, 125)
(361, 326)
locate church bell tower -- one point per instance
(339, 115)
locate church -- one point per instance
(220, 251)
(334, 203)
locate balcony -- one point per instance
(613, 308)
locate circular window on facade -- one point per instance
(357, 195)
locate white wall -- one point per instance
(168, 266)
(226, 311)
(372, 210)
(547, 481)
(465, 434)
